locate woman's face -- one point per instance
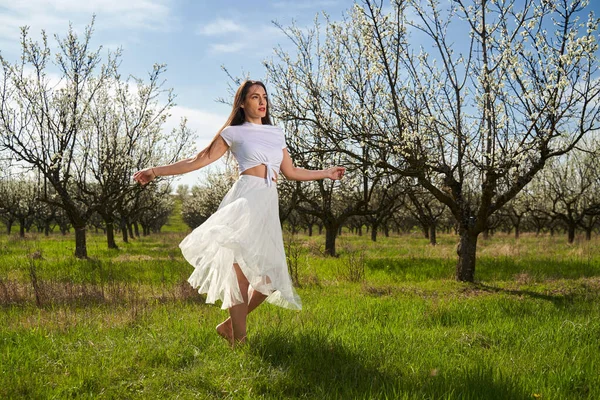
(255, 104)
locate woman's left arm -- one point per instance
(294, 173)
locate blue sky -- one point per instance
(194, 39)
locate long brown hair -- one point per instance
(238, 116)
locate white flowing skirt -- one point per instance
(244, 230)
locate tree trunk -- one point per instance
(517, 231)
(310, 229)
(124, 230)
(22, 227)
(136, 229)
(359, 229)
(80, 242)
(571, 233)
(588, 233)
(374, 227)
(331, 231)
(432, 235)
(386, 231)
(467, 251)
(425, 230)
(130, 230)
(47, 228)
(110, 235)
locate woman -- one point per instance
(238, 252)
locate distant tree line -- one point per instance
(21, 204)
(563, 199)
(81, 129)
(390, 92)
(497, 131)
(466, 107)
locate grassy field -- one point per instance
(125, 324)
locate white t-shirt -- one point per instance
(255, 144)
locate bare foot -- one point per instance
(225, 330)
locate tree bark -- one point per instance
(374, 227)
(571, 233)
(331, 231)
(466, 250)
(130, 230)
(425, 229)
(80, 242)
(124, 230)
(432, 235)
(110, 235)
(22, 227)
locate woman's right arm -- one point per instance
(202, 159)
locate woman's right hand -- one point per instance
(144, 176)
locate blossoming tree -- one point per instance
(471, 100)
(78, 124)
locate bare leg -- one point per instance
(256, 300)
(239, 312)
(225, 328)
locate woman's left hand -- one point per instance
(144, 176)
(335, 173)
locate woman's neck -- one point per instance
(257, 121)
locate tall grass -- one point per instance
(125, 324)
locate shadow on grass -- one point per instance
(314, 366)
(488, 268)
(559, 299)
(506, 268)
(413, 268)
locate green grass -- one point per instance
(175, 222)
(124, 324)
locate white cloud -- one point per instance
(227, 47)
(55, 15)
(220, 27)
(258, 39)
(205, 123)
